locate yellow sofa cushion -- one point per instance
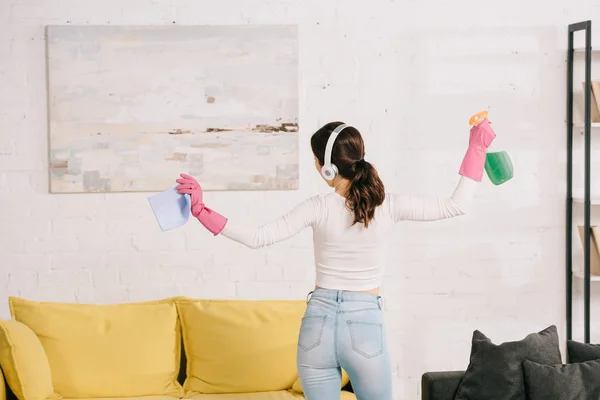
(24, 363)
(297, 387)
(134, 398)
(2, 387)
(117, 350)
(236, 346)
(278, 395)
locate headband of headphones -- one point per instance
(330, 141)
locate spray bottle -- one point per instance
(498, 165)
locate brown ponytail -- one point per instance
(366, 191)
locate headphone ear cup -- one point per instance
(329, 172)
(335, 170)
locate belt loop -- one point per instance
(380, 302)
(339, 296)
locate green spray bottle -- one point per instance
(498, 165)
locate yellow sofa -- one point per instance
(176, 348)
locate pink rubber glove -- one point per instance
(480, 139)
(211, 220)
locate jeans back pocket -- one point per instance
(367, 338)
(311, 331)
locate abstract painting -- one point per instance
(130, 108)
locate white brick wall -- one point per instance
(380, 65)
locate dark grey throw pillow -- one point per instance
(495, 371)
(579, 381)
(580, 352)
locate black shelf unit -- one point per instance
(586, 27)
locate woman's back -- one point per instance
(349, 255)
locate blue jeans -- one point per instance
(342, 329)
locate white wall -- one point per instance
(408, 74)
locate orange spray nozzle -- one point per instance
(476, 119)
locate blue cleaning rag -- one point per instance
(171, 208)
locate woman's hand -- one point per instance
(213, 221)
(482, 135)
(189, 185)
(480, 138)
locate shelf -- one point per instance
(582, 50)
(593, 200)
(593, 125)
(594, 128)
(579, 274)
(575, 269)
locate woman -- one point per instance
(343, 326)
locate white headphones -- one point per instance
(329, 170)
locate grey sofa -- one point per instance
(440, 385)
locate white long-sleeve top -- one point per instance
(351, 257)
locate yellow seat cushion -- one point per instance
(344, 395)
(278, 395)
(133, 398)
(2, 387)
(24, 363)
(297, 387)
(237, 346)
(102, 351)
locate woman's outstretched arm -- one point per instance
(423, 208)
(419, 208)
(302, 216)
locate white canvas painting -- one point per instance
(133, 107)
